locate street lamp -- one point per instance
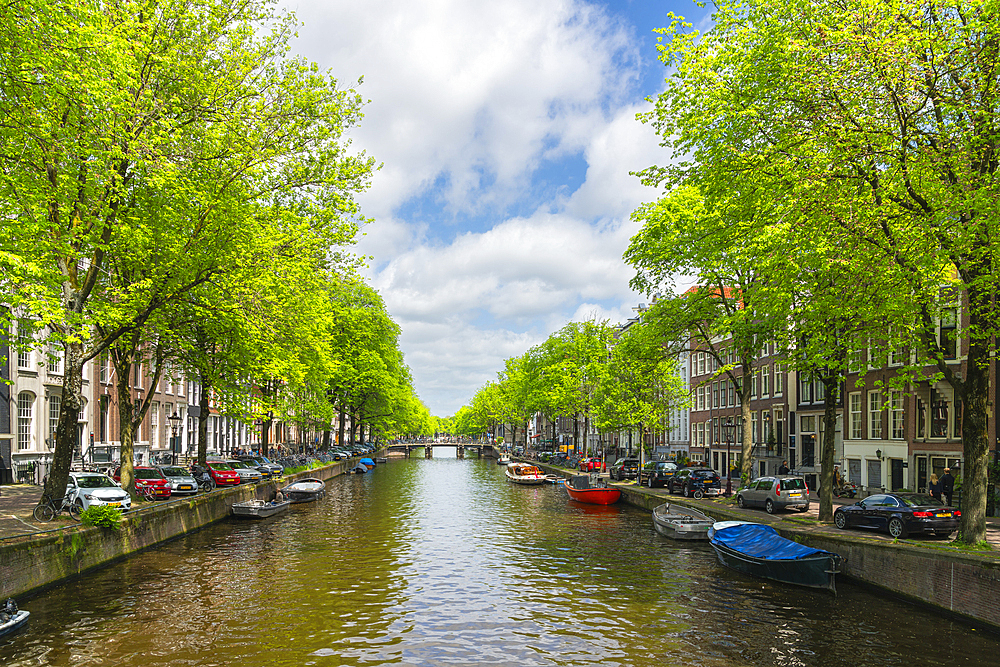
(728, 428)
(175, 422)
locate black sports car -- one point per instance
(900, 514)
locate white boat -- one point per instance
(503, 460)
(524, 473)
(12, 618)
(681, 523)
(305, 490)
(259, 509)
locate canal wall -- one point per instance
(39, 560)
(958, 583)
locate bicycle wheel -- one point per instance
(75, 509)
(44, 512)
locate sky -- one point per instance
(506, 132)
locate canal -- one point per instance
(443, 562)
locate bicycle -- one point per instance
(49, 508)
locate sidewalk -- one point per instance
(17, 501)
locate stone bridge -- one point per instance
(481, 450)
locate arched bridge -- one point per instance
(481, 450)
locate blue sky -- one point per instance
(507, 133)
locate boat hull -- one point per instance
(304, 491)
(681, 523)
(598, 496)
(13, 624)
(259, 509)
(815, 570)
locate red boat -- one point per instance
(580, 490)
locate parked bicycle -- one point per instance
(49, 508)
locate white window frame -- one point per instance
(896, 430)
(25, 430)
(857, 416)
(875, 415)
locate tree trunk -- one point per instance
(126, 409)
(746, 437)
(69, 415)
(203, 415)
(975, 442)
(831, 384)
(341, 429)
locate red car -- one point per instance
(148, 481)
(590, 464)
(223, 473)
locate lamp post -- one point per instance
(728, 428)
(175, 422)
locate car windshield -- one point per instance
(147, 473)
(919, 500)
(216, 465)
(666, 466)
(174, 472)
(793, 483)
(95, 482)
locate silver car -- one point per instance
(93, 488)
(775, 493)
(248, 474)
(180, 480)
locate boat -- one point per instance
(305, 490)
(259, 509)
(368, 463)
(579, 489)
(503, 460)
(554, 479)
(381, 459)
(681, 523)
(758, 550)
(359, 469)
(12, 618)
(524, 473)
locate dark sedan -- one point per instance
(624, 469)
(900, 514)
(697, 482)
(657, 473)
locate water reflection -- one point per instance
(443, 562)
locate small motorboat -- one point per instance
(12, 618)
(305, 490)
(681, 523)
(360, 469)
(368, 463)
(580, 489)
(503, 460)
(554, 479)
(757, 549)
(524, 473)
(259, 509)
(381, 459)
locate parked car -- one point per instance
(274, 468)
(222, 473)
(253, 462)
(181, 481)
(148, 481)
(697, 482)
(248, 473)
(657, 473)
(775, 493)
(589, 464)
(625, 469)
(900, 514)
(86, 489)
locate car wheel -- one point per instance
(840, 519)
(699, 494)
(896, 528)
(769, 506)
(739, 502)
(75, 509)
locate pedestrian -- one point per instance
(947, 484)
(838, 481)
(783, 468)
(934, 487)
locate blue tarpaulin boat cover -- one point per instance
(367, 462)
(762, 541)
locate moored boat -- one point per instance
(681, 523)
(580, 490)
(12, 618)
(366, 462)
(503, 460)
(524, 473)
(305, 490)
(259, 509)
(757, 549)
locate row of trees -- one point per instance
(834, 183)
(178, 191)
(590, 371)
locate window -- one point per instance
(104, 367)
(154, 423)
(805, 388)
(701, 434)
(715, 394)
(55, 360)
(753, 384)
(896, 415)
(25, 400)
(701, 398)
(701, 363)
(779, 385)
(820, 394)
(874, 415)
(854, 361)
(732, 392)
(24, 344)
(55, 404)
(765, 382)
(940, 409)
(947, 332)
(753, 427)
(856, 416)
(137, 375)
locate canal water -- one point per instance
(443, 562)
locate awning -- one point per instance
(537, 435)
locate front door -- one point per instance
(897, 474)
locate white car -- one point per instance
(93, 488)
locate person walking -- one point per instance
(783, 468)
(934, 487)
(947, 484)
